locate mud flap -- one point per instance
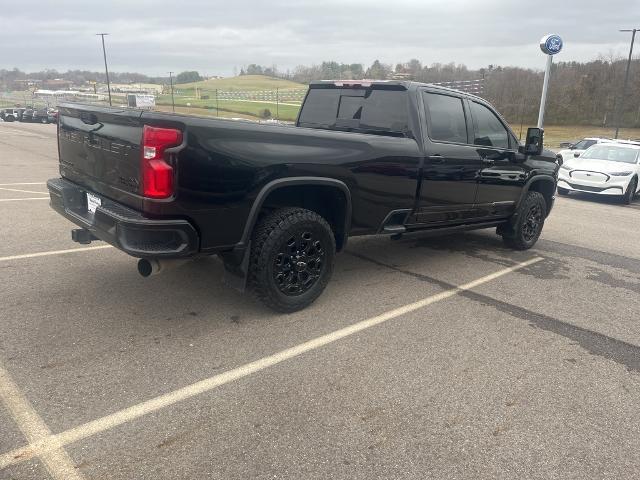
(236, 269)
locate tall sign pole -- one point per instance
(550, 45)
(626, 81)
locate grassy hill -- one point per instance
(242, 82)
(247, 95)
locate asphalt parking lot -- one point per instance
(434, 358)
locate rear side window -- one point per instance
(447, 122)
(361, 110)
(320, 107)
(489, 130)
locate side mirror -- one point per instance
(576, 155)
(533, 144)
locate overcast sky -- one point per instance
(213, 37)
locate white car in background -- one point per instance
(579, 147)
(605, 169)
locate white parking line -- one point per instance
(23, 191)
(22, 199)
(128, 414)
(24, 183)
(52, 252)
(57, 460)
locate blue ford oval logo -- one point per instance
(551, 44)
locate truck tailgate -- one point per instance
(99, 148)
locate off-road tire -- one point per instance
(525, 232)
(271, 233)
(628, 196)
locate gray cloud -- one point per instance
(214, 36)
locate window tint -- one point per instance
(446, 118)
(489, 130)
(369, 110)
(320, 107)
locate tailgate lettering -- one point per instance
(98, 143)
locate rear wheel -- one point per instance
(563, 191)
(291, 260)
(627, 198)
(528, 226)
(44, 120)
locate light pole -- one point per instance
(626, 80)
(106, 69)
(173, 104)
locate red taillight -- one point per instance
(157, 174)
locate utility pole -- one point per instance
(106, 68)
(626, 81)
(173, 104)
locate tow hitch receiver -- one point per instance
(82, 236)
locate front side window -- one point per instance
(447, 122)
(489, 130)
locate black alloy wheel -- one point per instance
(532, 223)
(299, 263)
(527, 225)
(291, 258)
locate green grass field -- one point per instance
(249, 108)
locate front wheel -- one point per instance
(291, 263)
(627, 198)
(528, 226)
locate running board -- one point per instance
(434, 231)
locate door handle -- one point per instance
(488, 161)
(435, 159)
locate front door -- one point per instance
(502, 175)
(451, 167)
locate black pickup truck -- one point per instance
(276, 202)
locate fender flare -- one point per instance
(292, 181)
(540, 177)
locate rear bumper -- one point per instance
(123, 227)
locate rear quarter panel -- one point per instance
(225, 164)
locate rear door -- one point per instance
(502, 175)
(384, 157)
(451, 166)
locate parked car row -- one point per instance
(29, 114)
